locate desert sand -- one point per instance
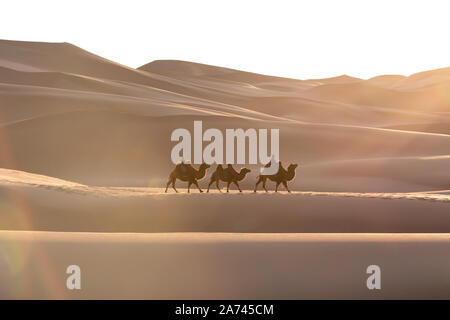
(70, 114)
(224, 265)
(36, 202)
(85, 155)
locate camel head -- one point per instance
(291, 171)
(201, 173)
(204, 166)
(242, 173)
(293, 166)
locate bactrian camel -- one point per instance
(281, 177)
(229, 175)
(186, 172)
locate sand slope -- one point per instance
(223, 266)
(70, 114)
(32, 202)
(85, 154)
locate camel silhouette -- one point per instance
(186, 172)
(229, 175)
(281, 177)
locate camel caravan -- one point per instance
(188, 173)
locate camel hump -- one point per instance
(231, 170)
(183, 168)
(219, 169)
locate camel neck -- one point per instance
(290, 174)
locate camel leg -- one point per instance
(167, 185)
(173, 185)
(264, 185)
(189, 187)
(217, 185)
(237, 185)
(228, 186)
(286, 186)
(169, 181)
(209, 185)
(196, 183)
(257, 183)
(276, 188)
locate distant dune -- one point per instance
(386, 81)
(71, 114)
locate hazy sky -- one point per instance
(298, 39)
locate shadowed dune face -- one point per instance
(70, 114)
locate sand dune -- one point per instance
(386, 81)
(70, 114)
(363, 93)
(85, 154)
(122, 150)
(425, 79)
(65, 57)
(417, 81)
(184, 69)
(36, 202)
(223, 266)
(437, 127)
